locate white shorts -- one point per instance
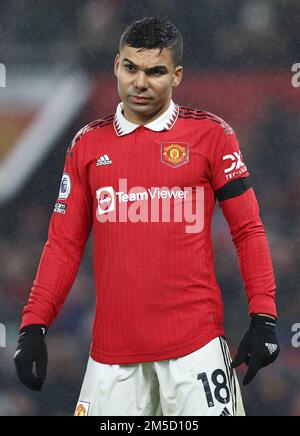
(199, 384)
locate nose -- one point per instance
(141, 82)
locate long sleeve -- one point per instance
(69, 229)
(249, 237)
(230, 180)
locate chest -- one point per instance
(148, 159)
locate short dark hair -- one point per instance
(152, 32)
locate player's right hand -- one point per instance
(32, 350)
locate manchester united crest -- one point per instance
(175, 154)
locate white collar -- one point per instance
(165, 122)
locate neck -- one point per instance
(146, 119)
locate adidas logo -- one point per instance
(104, 160)
(225, 412)
(272, 348)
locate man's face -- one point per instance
(145, 80)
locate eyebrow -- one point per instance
(156, 67)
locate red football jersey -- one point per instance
(149, 192)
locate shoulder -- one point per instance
(89, 128)
(204, 118)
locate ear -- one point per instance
(178, 74)
(117, 64)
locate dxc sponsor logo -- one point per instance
(237, 165)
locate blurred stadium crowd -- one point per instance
(226, 33)
(238, 35)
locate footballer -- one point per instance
(147, 179)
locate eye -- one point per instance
(156, 73)
(130, 67)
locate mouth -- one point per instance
(139, 99)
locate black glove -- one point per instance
(259, 347)
(32, 348)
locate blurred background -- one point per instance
(59, 76)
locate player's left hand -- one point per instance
(259, 347)
(31, 356)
